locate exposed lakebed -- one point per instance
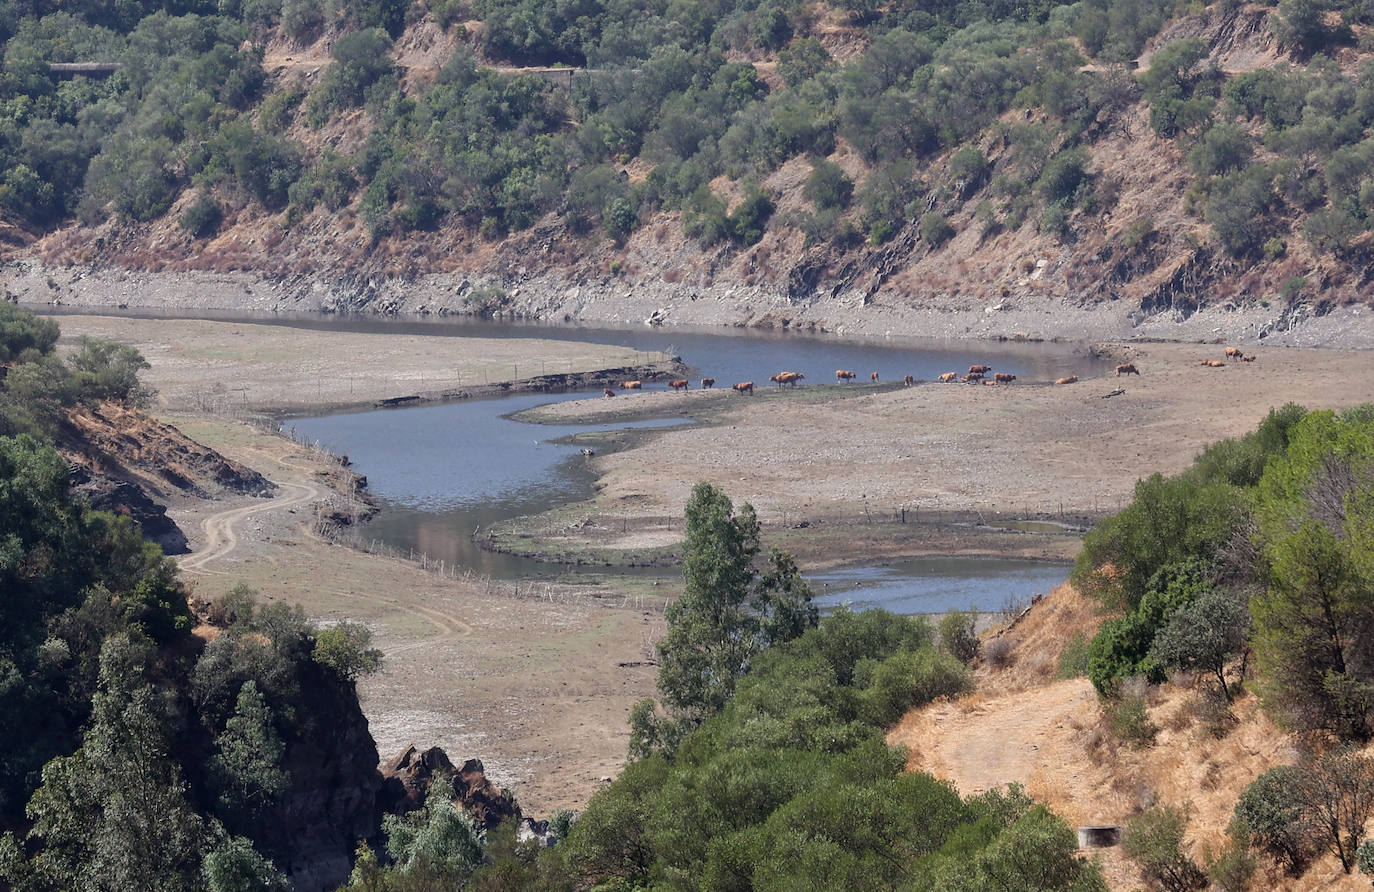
(444, 472)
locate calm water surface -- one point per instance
(441, 472)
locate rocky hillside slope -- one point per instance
(1138, 243)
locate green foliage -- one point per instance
(246, 771)
(344, 649)
(1180, 89)
(727, 612)
(828, 186)
(1241, 461)
(802, 60)
(935, 229)
(233, 865)
(906, 680)
(1073, 659)
(1364, 857)
(438, 844)
(1203, 636)
(108, 370)
(959, 635)
(791, 784)
(1123, 647)
(114, 814)
(1271, 812)
(1154, 840)
(1314, 523)
(24, 337)
(361, 60)
(203, 217)
(1170, 521)
(1222, 149)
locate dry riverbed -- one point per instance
(537, 681)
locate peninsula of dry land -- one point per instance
(537, 680)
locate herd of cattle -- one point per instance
(977, 374)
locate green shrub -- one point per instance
(344, 648)
(828, 187)
(1129, 716)
(935, 229)
(1272, 812)
(1154, 840)
(959, 635)
(1073, 659)
(203, 217)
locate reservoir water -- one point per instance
(441, 472)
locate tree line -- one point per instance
(1253, 568)
(191, 121)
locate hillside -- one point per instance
(979, 170)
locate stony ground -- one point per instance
(538, 682)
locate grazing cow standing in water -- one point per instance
(608, 392)
(908, 380)
(1126, 368)
(678, 385)
(631, 385)
(745, 387)
(844, 375)
(708, 383)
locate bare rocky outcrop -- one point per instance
(332, 803)
(410, 774)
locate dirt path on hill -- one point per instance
(983, 743)
(538, 688)
(218, 537)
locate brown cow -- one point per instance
(1072, 379)
(972, 378)
(1212, 363)
(908, 380)
(608, 392)
(679, 385)
(843, 375)
(873, 376)
(708, 383)
(790, 378)
(1235, 352)
(745, 387)
(1247, 359)
(979, 369)
(631, 385)
(1003, 378)
(949, 377)
(1126, 368)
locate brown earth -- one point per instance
(845, 460)
(537, 681)
(1024, 725)
(528, 680)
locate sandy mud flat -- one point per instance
(537, 680)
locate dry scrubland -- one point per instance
(533, 682)
(1024, 724)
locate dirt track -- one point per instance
(538, 684)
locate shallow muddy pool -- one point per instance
(937, 585)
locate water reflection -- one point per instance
(937, 585)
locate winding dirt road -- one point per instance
(220, 538)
